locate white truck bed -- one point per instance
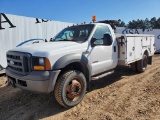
(131, 47)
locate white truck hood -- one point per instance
(44, 49)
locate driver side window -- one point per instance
(100, 31)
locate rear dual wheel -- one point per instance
(141, 65)
(70, 88)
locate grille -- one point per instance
(18, 62)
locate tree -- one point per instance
(153, 23)
(121, 23)
(147, 23)
(157, 24)
(132, 24)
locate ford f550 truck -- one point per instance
(75, 56)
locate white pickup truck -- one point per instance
(75, 56)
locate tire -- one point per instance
(142, 64)
(70, 88)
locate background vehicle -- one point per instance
(77, 55)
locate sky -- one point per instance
(78, 11)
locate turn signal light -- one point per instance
(38, 67)
(48, 64)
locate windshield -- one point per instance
(75, 33)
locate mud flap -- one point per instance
(133, 66)
(150, 60)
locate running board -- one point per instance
(102, 75)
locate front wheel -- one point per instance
(70, 88)
(142, 64)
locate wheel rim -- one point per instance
(74, 89)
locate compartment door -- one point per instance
(130, 48)
(138, 48)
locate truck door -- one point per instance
(103, 58)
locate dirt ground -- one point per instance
(125, 95)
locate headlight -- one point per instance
(40, 63)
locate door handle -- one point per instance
(114, 48)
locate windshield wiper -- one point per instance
(53, 40)
(73, 40)
(66, 40)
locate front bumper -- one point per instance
(37, 81)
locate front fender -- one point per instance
(71, 58)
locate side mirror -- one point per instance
(107, 39)
(92, 42)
